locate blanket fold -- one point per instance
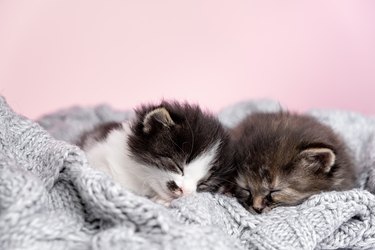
(50, 198)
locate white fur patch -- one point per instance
(112, 156)
(198, 169)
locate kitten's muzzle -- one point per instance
(258, 210)
(176, 190)
(259, 204)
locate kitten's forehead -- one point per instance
(260, 179)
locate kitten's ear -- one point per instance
(322, 158)
(159, 116)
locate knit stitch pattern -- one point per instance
(50, 198)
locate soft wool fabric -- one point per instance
(51, 199)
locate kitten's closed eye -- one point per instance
(243, 193)
(244, 196)
(272, 193)
(172, 165)
(211, 184)
(202, 187)
(271, 197)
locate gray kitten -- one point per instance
(282, 159)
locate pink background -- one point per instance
(306, 54)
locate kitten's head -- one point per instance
(283, 159)
(178, 145)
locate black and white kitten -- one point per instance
(282, 159)
(165, 152)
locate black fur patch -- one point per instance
(172, 186)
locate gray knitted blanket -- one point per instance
(51, 199)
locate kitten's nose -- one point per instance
(258, 209)
(258, 204)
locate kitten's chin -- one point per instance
(161, 201)
(264, 211)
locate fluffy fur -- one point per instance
(167, 151)
(284, 158)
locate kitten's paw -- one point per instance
(161, 201)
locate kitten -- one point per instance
(282, 159)
(165, 152)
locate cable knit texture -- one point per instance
(50, 198)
